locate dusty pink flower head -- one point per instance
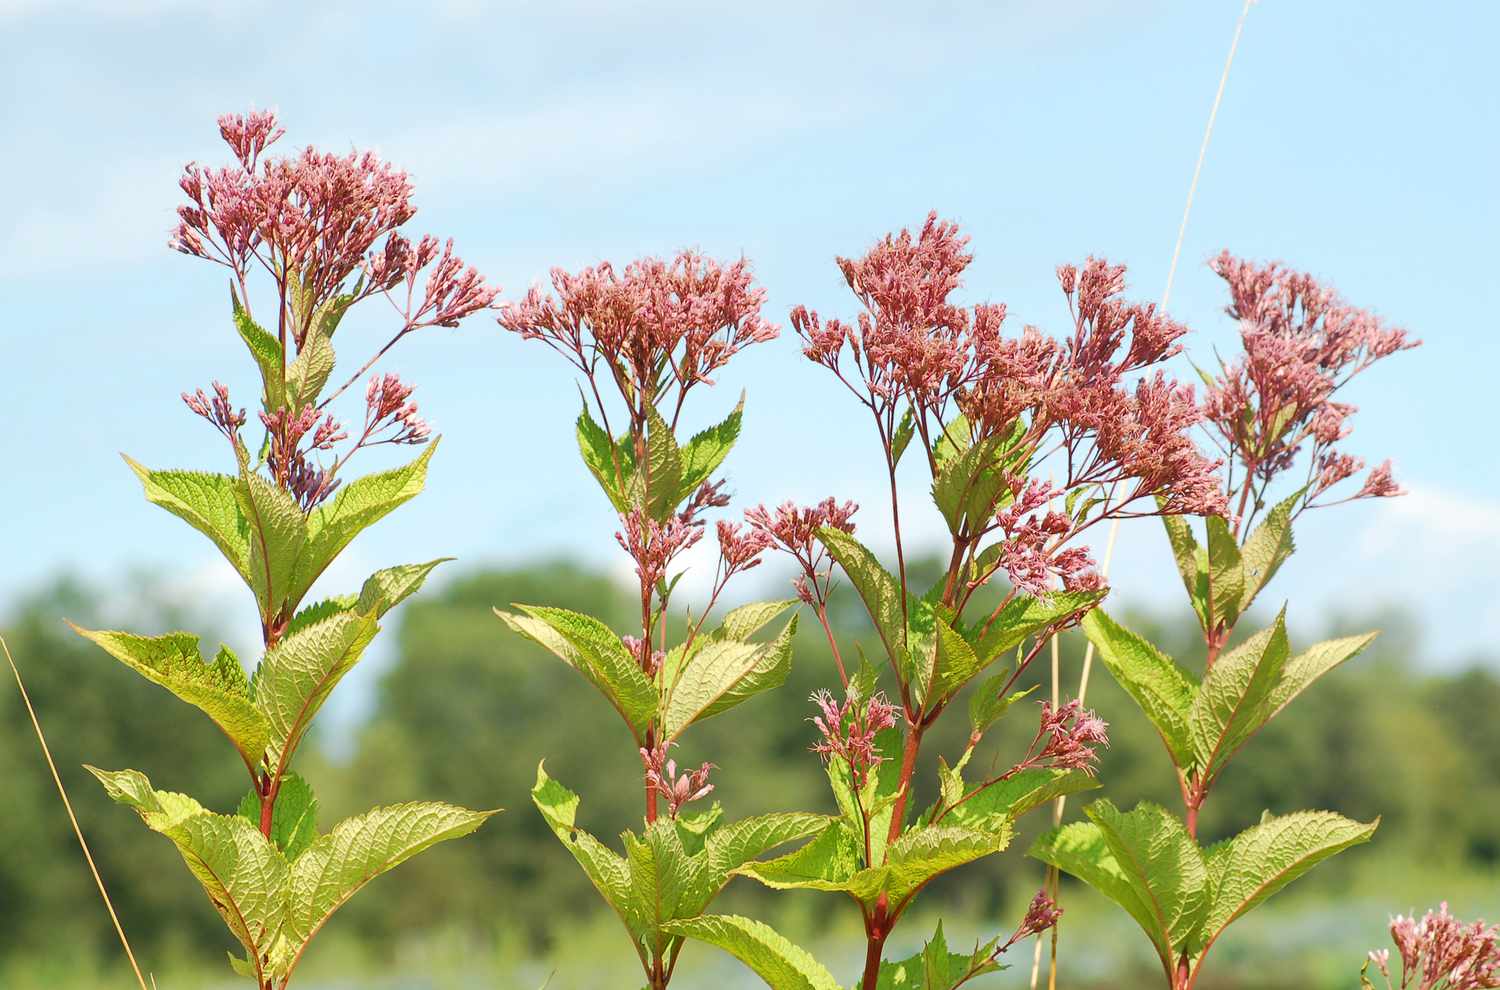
(311, 221)
(793, 529)
(1302, 343)
(218, 410)
(678, 789)
(658, 323)
(740, 547)
(390, 415)
(909, 340)
(1066, 739)
(1078, 398)
(249, 134)
(847, 730)
(1439, 952)
(1041, 914)
(654, 545)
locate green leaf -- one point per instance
(987, 704)
(218, 689)
(387, 588)
(922, 853)
(658, 488)
(1226, 575)
(1311, 664)
(355, 507)
(297, 675)
(877, 588)
(936, 968)
(1192, 563)
(266, 350)
(294, 820)
(1015, 796)
(600, 454)
(1143, 860)
(592, 648)
(665, 882)
(1160, 860)
(724, 673)
(278, 531)
(244, 875)
(607, 870)
(207, 502)
(359, 849)
(1025, 616)
(954, 663)
(952, 440)
(747, 620)
(1255, 864)
(781, 964)
(309, 371)
(382, 591)
(905, 429)
(967, 486)
(703, 454)
(826, 863)
(732, 846)
(1267, 548)
(1162, 689)
(1080, 849)
(878, 799)
(1235, 697)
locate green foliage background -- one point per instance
(466, 711)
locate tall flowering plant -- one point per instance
(642, 339)
(1275, 417)
(1029, 442)
(303, 238)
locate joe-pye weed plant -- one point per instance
(642, 339)
(1029, 442)
(308, 224)
(1273, 414)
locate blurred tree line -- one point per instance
(467, 710)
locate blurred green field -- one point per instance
(465, 711)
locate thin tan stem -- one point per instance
(63, 793)
(1166, 296)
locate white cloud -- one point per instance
(112, 215)
(1440, 546)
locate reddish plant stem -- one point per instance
(908, 764)
(876, 931)
(838, 660)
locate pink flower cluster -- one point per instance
(847, 730)
(656, 324)
(792, 529)
(654, 545)
(311, 221)
(217, 409)
(1066, 738)
(1086, 400)
(1028, 553)
(678, 789)
(1439, 952)
(288, 459)
(391, 415)
(1302, 343)
(1041, 914)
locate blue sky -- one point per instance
(1357, 139)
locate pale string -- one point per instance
(37, 725)
(1114, 527)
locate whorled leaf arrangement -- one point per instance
(650, 335)
(311, 222)
(1270, 412)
